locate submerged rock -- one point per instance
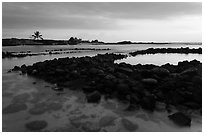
(36, 125)
(94, 97)
(14, 107)
(107, 121)
(180, 119)
(129, 125)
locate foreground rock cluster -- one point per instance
(150, 87)
(181, 50)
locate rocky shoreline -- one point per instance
(181, 50)
(48, 52)
(149, 87)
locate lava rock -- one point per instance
(148, 103)
(161, 71)
(150, 81)
(14, 107)
(180, 119)
(129, 125)
(36, 125)
(94, 97)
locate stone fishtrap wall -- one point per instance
(147, 86)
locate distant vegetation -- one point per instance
(37, 39)
(37, 35)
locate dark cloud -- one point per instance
(89, 15)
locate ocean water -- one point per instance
(69, 111)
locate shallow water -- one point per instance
(160, 59)
(123, 48)
(69, 111)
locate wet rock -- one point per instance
(21, 98)
(124, 70)
(122, 87)
(14, 107)
(110, 77)
(88, 89)
(192, 105)
(190, 71)
(160, 106)
(107, 121)
(57, 88)
(129, 125)
(34, 82)
(41, 108)
(36, 125)
(150, 81)
(175, 97)
(16, 68)
(93, 71)
(132, 107)
(60, 71)
(90, 127)
(37, 111)
(94, 97)
(34, 72)
(180, 119)
(161, 71)
(148, 103)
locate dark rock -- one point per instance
(88, 89)
(190, 71)
(93, 71)
(58, 88)
(122, 88)
(161, 71)
(107, 121)
(192, 105)
(94, 97)
(36, 125)
(150, 81)
(124, 70)
(14, 107)
(160, 106)
(148, 103)
(180, 119)
(129, 125)
(16, 68)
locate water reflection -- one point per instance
(160, 59)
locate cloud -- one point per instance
(89, 15)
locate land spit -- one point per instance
(139, 86)
(48, 52)
(181, 50)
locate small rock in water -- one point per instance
(58, 88)
(36, 125)
(129, 125)
(34, 82)
(180, 119)
(94, 97)
(106, 121)
(14, 107)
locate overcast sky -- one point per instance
(104, 21)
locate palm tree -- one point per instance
(37, 35)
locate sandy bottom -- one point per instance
(26, 99)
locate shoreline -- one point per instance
(141, 86)
(181, 50)
(48, 52)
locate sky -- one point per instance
(105, 21)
